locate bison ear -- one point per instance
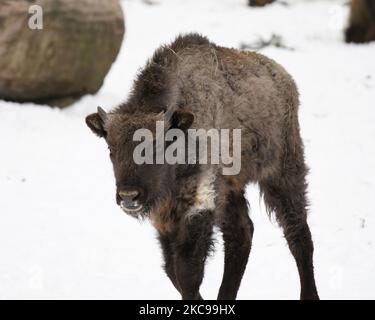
(96, 122)
(182, 120)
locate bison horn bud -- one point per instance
(160, 116)
(168, 116)
(102, 114)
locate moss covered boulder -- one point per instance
(69, 57)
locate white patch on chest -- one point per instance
(205, 194)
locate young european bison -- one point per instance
(362, 22)
(202, 85)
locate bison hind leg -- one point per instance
(285, 195)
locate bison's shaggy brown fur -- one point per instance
(202, 85)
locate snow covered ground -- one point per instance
(61, 233)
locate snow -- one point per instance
(62, 235)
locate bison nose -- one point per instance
(129, 195)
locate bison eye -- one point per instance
(110, 152)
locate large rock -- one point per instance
(68, 58)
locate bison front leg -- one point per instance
(237, 229)
(167, 242)
(191, 247)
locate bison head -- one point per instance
(141, 188)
